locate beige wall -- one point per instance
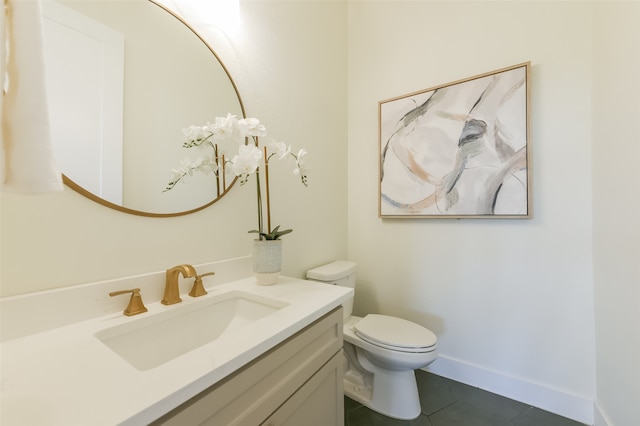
(616, 202)
(511, 301)
(290, 78)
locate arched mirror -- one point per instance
(124, 78)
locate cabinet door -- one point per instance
(256, 391)
(319, 402)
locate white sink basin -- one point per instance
(147, 342)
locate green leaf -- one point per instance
(275, 234)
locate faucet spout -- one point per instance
(171, 288)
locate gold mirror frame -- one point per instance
(88, 194)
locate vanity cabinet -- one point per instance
(298, 382)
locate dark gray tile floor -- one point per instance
(449, 403)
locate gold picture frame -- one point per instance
(459, 150)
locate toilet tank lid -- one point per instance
(332, 271)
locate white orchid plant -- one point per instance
(244, 138)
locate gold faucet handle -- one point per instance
(198, 289)
(135, 305)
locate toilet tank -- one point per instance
(341, 273)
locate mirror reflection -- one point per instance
(124, 79)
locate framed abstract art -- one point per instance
(460, 150)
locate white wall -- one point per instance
(290, 78)
(616, 189)
(510, 300)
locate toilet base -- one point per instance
(391, 393)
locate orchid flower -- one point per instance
(228, 134)
(246, 161)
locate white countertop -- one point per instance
(66, 376)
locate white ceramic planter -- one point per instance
(267, 261)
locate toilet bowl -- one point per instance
(381, 352)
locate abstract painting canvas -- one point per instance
(460, 150)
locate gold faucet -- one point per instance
(135, 305)
(171, 289)
(198, 289)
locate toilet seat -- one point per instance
(395, 334)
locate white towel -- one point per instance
(28, 164)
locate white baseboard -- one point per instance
(576, 407)
(601, 418)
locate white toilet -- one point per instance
(381, 352)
